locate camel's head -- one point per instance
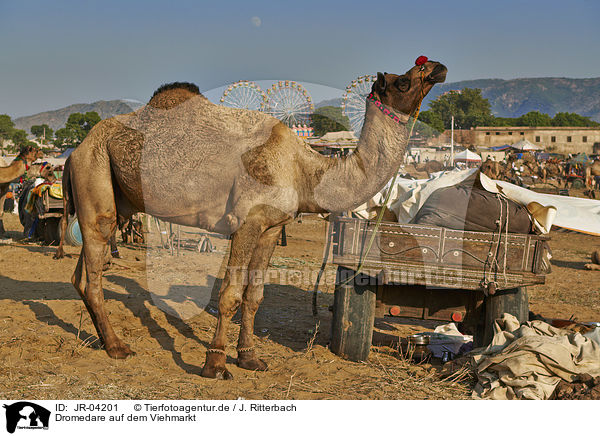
(47, 172)
(44, 170)
(404, 93)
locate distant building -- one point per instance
(554, 139)
(303, 130)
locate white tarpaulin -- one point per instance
(408, 196)
(525, 145)
(467, 156)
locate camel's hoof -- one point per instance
(252, 364)
(218, 372)
(120, 351)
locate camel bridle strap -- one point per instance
(373, 98)
(397, 118)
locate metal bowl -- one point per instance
(418, 339)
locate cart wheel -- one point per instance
(513, 301)
(51, 231)
(577, 184)
(353, 315)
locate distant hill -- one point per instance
(515, 97)
(337, 102)
(57, 118)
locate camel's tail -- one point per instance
(68, 208)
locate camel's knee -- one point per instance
(229, 304)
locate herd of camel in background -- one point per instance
(526, 170)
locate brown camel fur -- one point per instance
(188, 161)
(592, 171)
(18, 167)
(595, 265)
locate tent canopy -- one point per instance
(467, 156)
(580, 158)
(525, 145)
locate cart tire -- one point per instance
(353, 315)
(51, 231)
(73, 236)
(514, 301)
(578, 184)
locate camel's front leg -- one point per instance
(230, 296)
(253, 296)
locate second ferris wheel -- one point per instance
(289, 102)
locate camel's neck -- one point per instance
(346, 183)
(16, 169)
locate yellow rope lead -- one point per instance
(387, 196)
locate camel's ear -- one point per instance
(403, 83)
(380, 84)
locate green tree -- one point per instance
(468, 107)
(42, 131)
(568, 119)
(65, 138)
(329, 119)
(6, 127)
(76, 129)
(433, 120)
(534, 119)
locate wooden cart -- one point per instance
(49, 211)
(428, 272)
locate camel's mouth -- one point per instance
(438, 75)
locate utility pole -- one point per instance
(452, 142)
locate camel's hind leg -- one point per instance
(253, 296)
(96, 212)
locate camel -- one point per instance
(550, 169)
(242, 173)
(595, 265)
(592, 174)
(490, 168)
(18, 167)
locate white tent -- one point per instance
(525, 145)
(467, 156)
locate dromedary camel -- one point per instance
(592, 173)
(188, 161)
(19, 166)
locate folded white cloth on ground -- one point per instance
(527, 361)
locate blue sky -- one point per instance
(63, 52)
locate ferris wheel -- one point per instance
(353, 101)
(289, 102)
(244, 94)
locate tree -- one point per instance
(329, 119)
(468, 107)
(42, 131)
(76, 129)
(534, 119)
(568, 119)
(6, 127)
(433, 120)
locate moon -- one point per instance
(256, 22)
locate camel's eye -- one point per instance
(403, 83)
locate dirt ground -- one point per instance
(49, 348)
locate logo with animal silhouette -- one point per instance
(26, 415)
